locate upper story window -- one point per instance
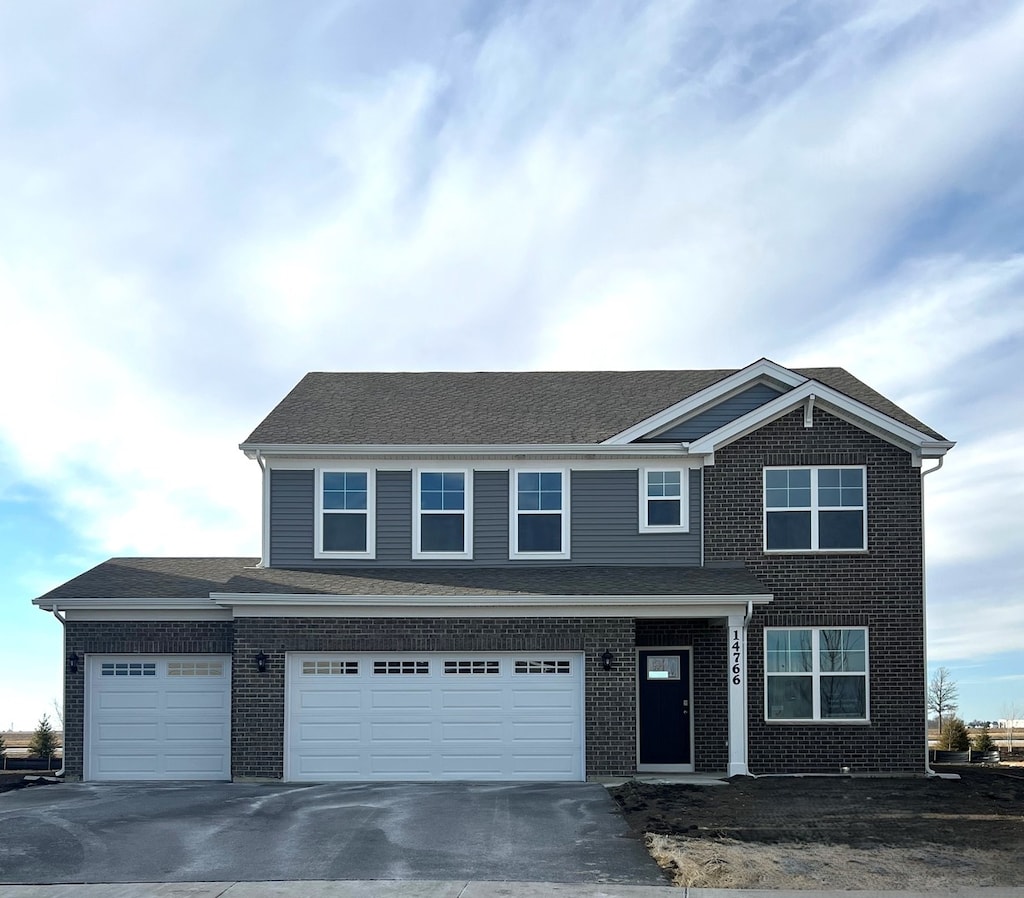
(663, 504)
(540, 514)
(816, 674)
(815, 509)
(345, 514)
(442, 519)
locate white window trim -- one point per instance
(513, 502)
(816, 673)
(684, 500)
(371, 513)
(813, 509)
(467, 513)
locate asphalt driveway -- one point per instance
(77, 832)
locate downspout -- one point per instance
(264, 511)
(924, 622)
(64, 679)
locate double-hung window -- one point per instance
(540, 514)
(816, 673)
(345, 514)
(443, 518)
(815, 509)
(663, 500)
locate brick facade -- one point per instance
(881, 589)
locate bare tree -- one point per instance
(1012, 711)
(943, 694)
(58, 709)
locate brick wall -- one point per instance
(126, 637)
(257, 742)
(881, 589)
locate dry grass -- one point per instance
(728, 864)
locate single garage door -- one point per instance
(158, 717)
(434, 716)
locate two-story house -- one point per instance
(529, 576)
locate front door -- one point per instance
(663, 700)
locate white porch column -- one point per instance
(737, 633)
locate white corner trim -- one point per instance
(857, 412)
(761, 369)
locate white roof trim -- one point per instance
(132, 603)
(297, 605)
(431, 450)
(885, 426)
(762, 369)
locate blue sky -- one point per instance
(201, 202)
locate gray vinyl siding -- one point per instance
(604, 526)
(711, 419)
(605, 523)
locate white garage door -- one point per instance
(158, 717)
(433, 716)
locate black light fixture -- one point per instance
(261, 662)
(606, 660)
(73, 662)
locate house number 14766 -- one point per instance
(737, 671)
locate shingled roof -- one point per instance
(194, 578)
(500, 407)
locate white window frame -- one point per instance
(467, 513)
(815, 674)
(684, 504)
(370, 512)
(814, 508)
(514, 512)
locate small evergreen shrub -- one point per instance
(983, 741)
(44, 742)
(955, 736)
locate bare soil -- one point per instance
(836, 833)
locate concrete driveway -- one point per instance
(77, 832)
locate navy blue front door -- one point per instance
(664, 699)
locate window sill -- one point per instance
(836, 721)
(538, 556)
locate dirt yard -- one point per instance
(836, 833)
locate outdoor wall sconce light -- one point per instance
(73, 662)
(261, 662)
(606, 660)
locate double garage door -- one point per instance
(355, 717)
(434, 716)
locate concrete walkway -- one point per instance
(454, 889)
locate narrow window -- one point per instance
(816, 674)
(663, 500)
(540, 514)
(345, 514)
(815, 509)
(443, 519)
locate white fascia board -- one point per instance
(856, 412)
(148, 614)
(297, 605)
(762, 369)
(133, 603)
(459, 450)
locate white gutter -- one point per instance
(429, 450)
